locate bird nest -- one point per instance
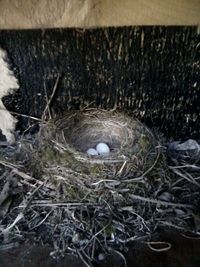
(63, 147)
(53, 190)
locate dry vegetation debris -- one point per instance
(51, 191)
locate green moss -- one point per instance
(145, 142)
(49, 154)
(72, 193)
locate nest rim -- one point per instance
(92, 120)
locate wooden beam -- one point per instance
(26, 14)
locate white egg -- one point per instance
(102, 149)
(92, 152)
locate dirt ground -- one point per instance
(185, 252)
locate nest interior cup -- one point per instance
(85, 129)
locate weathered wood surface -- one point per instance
(154, 72)
(23, 14)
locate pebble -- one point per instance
(101, 257)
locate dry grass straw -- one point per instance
(86, 205)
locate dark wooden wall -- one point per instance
(154, 72)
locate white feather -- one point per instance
(8, 83)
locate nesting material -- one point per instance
(121, 133)
(86, 204)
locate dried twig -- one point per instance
(160, 202)
(51, 98)
(166, 246)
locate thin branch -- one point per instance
(51, 97)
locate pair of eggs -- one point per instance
(101, 149)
